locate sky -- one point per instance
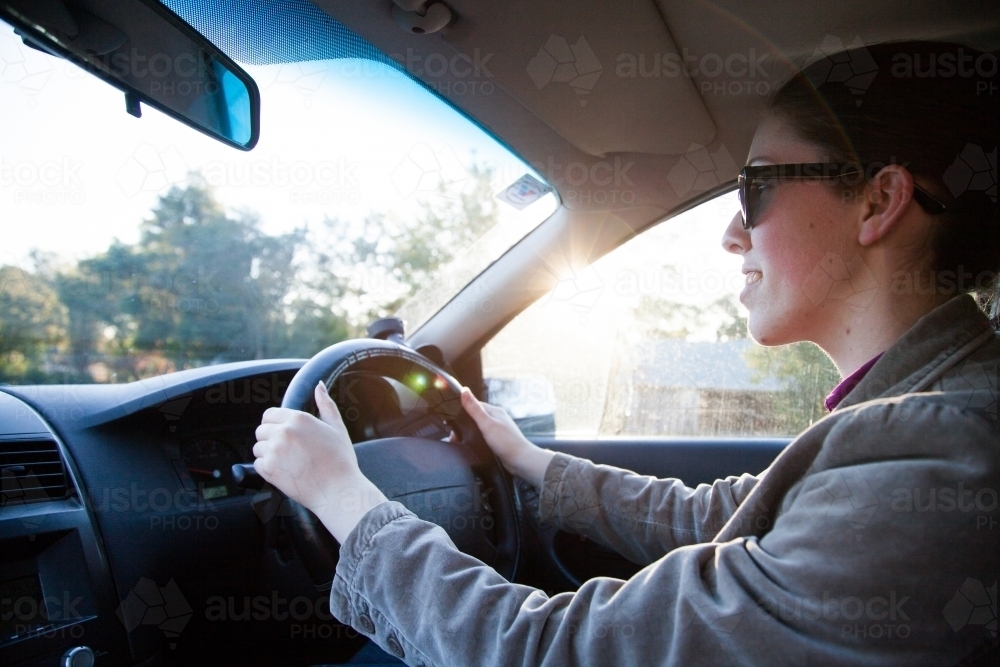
(76, 171)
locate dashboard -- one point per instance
(122, 532)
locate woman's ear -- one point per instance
(889, 193)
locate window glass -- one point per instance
(135, 247)
(651, 340)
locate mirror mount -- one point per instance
(132, 107)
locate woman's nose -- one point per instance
(736, 239)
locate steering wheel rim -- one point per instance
(380, 459)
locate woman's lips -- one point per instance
(753, 277)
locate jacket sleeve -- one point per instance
(401, 582)
(640, 517)
(839, 577)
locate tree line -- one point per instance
(204, 285)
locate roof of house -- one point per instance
(715, 365)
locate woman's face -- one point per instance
(804, 241)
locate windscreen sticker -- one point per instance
(523, 192)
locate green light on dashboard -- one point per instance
(417, 382)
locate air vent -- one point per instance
(31, 472)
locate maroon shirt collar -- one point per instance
(846, 385)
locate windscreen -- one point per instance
(136, 247)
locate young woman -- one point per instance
(872, 539)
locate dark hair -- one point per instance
(931, 107)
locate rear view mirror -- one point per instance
(150, 54)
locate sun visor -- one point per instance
(606, 75)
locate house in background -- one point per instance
(676, 387)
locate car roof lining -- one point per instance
(550, 129)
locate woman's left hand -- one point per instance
(312, 461)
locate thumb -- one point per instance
(328, 412)
(474, 407)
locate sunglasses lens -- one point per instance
(747, 203)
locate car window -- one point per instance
(134, 247)
(651, 340)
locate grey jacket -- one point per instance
(872, 539)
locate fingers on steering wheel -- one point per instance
(472, 405)
(276, 415)
(328, 411)
(259, 449)
(492, 411)
(258, 465)
(263, 431)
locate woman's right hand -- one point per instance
(517, 454)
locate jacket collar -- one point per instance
(937, 342)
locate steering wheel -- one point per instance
(459, 485)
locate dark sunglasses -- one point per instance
(753, 181)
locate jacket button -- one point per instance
(394, 646)
(367, 624)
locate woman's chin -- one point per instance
(765, 331)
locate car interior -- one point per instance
(134, 530)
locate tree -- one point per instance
(205, 286)
(808, 375)
(32, 324)
(199, 287)
(805, 370)
(734, 323)
(395, 256)
(659, 318)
